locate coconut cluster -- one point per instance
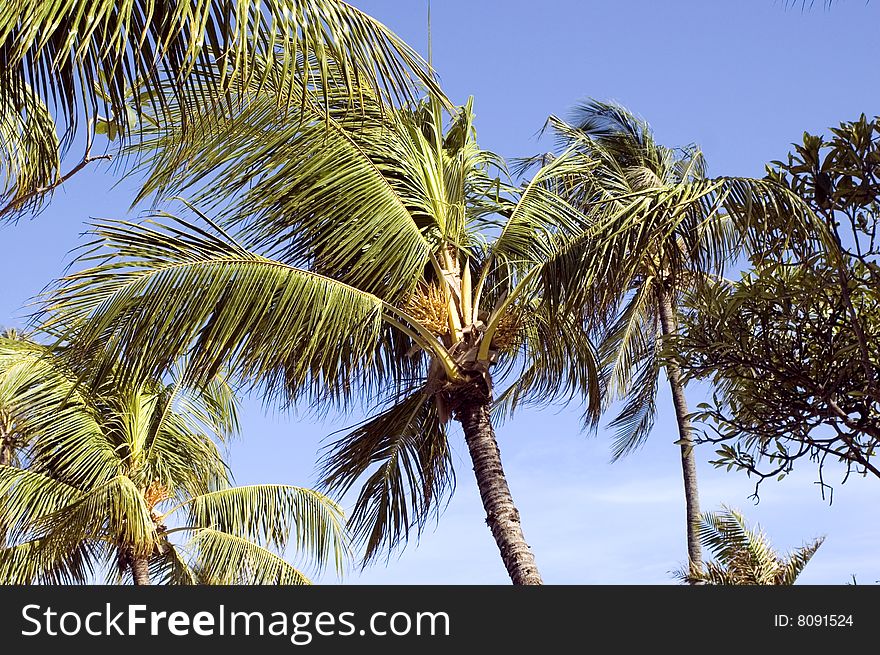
(427, 305)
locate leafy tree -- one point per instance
(364, 262)
(667, 229)
(790, 346)
(69, 61)
(112, 476)
(743, 555)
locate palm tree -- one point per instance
(743, 555)
(669, 228)
(71, 62)
(113, 476)
(364, 262)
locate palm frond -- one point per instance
(334, 189)
(630, 339)
(724, 534)
(172, 568)
(37, 562)
(63, 48)
(178, 290)
(115, 510)
(796, 561)
(26, 497)
(612, 124)
(272, 514)
(635, 420)
(555, 362)
(743, 555)
(540, 214)
(227, 559)
(184, 461)
(408, 446)
(50, 415)
(29, 153)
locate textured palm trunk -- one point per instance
(140, 570)
(6, 448)
(502, 516)
(688, 461)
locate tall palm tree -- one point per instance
(114, 476)
(743, 555)
(364, 262)
(670, 228)
(70, 62)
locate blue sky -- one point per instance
(741, 78)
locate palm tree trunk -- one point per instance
(6, 446)
(688, 461)
(140, 570)
(501, 513)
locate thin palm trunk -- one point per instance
(502, 516)
(688, 461)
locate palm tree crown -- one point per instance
(743, 555)
(111, 477)
(664, 228)
(368, 263)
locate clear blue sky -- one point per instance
(742, 78)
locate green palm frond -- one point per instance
(183, 427)
(222, 558)
(32, 562)
(26, 496)
(31, 384)
(306, 332)
(115, 508)
(272, 515)
(172, 568)
(725, 534)
(213, 410)
(540, 214)
(634, 422)
(50, 419)
(29, 153)
(631, 339)
(590, 268)
(743, 555)
(184, 461)
(796, 561)
(362, 196)
(407, 443)
(556, 363)
(330, 195)
(62, 48)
